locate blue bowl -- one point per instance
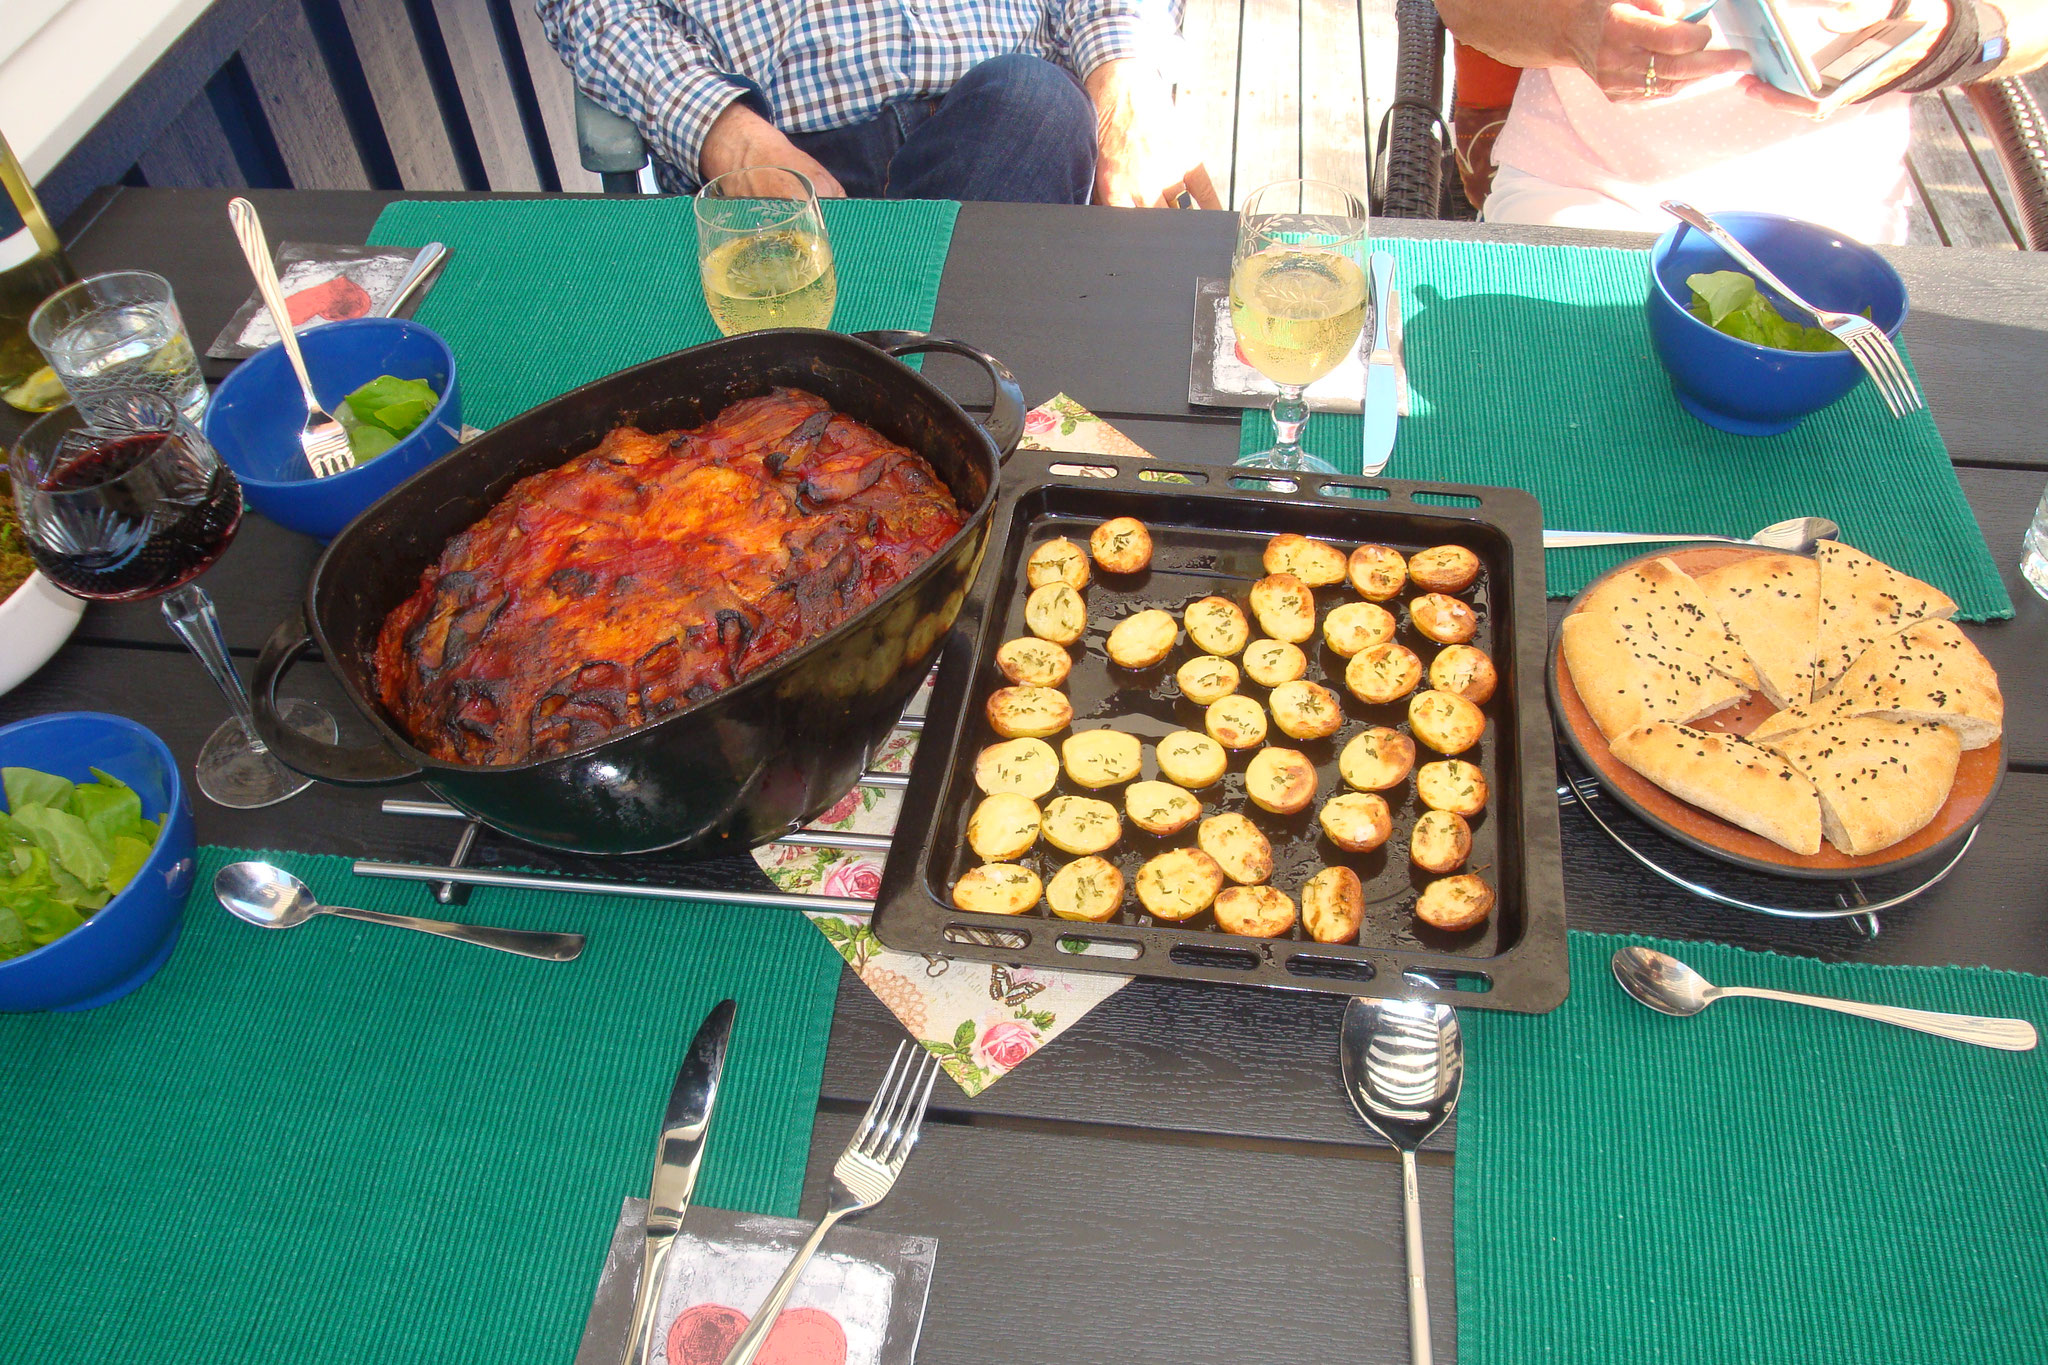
(256, 415)
(1759, 390)
(132, 935)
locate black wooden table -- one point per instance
(1179, 1176)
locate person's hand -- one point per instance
(1141, 159)
(741, 138)
(1613, 41)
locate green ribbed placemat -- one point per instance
(541, 295)
(351, 1142)
(1531, 367)
(1763, 1183)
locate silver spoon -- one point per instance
(1797, 536)
(323, 439)
(1668, 986)
(1404, 1062)
(272, 898)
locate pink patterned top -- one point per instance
(1716, 147)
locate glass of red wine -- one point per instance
(134, 505)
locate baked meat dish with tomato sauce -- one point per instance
(651, 573)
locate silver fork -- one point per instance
(865, 1173)
(324, 440)
(1865, 339)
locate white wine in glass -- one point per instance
(763, 252)
(1297, 299)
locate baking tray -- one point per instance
(1209, 531)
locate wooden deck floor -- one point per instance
(1283, 88)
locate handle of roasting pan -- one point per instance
(1005, 421)
(371, 765)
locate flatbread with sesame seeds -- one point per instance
(1771, 605)
(1659, 600)
(1626, 680)
(1880, 780)
(1927, 672)
(1725, 776)
(1864, 601)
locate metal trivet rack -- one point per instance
(1847, 899)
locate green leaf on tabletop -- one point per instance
(27, 787)
(963, 1036)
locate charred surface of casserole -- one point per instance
(651, 573)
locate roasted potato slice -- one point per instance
(1239, 847)
(1285, 606)
(1383, 673)
(1206, 677)
(1143, 639)
(1444, 568)
(1236, 722)
(1121, 545)
(1217, 625)
(1465, 670)
(1160, 807)
(1003, 827)
(1102, 758)
(997, 889)
(1455, 903)
(1057, 561)
(1032, 712)
(1357, 626)
(1056, 612)
(1280, 780)
(1440, 842)
(1272, 662)
(1445, 721)
(1357, 822)
(1034, 662)
(1453, 785)
(1377, 759)
(1446, 620)
(1179, 884)
(1080, 824)
(1026, 767)
(1379, 572)
(1087, 889)
(1306, 710)
(1254, 911)
(1315, 562)
(1333, 905)
(1187, 759)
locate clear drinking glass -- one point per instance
(762, 248)
(136, 504)
(119, 333)
(1297, 299)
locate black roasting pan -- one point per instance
(741, 767)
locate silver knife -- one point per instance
(677, 1157)
(1400, 354)
(1381, 411)
(423, 264)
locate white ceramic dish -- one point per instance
(35, 620)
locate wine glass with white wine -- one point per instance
(762, 247)
(1297, 299)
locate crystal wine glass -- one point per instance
(1297, 299)
(136, 504)
(763, 252)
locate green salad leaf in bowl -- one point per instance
(1729, 301)
(384, 412)
(66, 849)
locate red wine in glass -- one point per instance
(156, 531)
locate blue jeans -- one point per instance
(1014, 129)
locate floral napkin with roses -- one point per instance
(980, 1019)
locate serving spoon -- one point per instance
(271, 898)
(1798, 535)
(1404, 1063)
(1668, 986)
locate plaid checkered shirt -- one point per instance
(672, 66)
